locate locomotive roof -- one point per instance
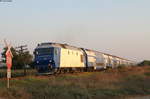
(66, 46)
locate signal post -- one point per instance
(9, 57)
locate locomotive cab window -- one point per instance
(44, 51)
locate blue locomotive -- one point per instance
(57, 58)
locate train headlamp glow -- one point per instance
(36, 52)
(50, 60)
(37, 61)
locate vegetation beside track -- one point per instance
(113, 83)
(17, 73)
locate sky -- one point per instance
(118, 27)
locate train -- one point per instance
(51, 58)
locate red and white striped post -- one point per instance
(8, 62)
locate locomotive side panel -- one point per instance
(71, 58)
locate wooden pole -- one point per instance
(8, 83)
(8, 77)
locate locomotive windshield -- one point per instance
(44, 51)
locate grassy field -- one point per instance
(110, 84)
(17, 73)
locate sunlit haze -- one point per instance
(118, 27)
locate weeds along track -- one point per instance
(108, 84)
(19, 74)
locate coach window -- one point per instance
(68, 52)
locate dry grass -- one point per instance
(115, 83)
(16, 73)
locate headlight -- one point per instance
(37, 52)
(37, 62)
(50, 60)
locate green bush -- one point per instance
(145, 63)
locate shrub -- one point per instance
(145, 63)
